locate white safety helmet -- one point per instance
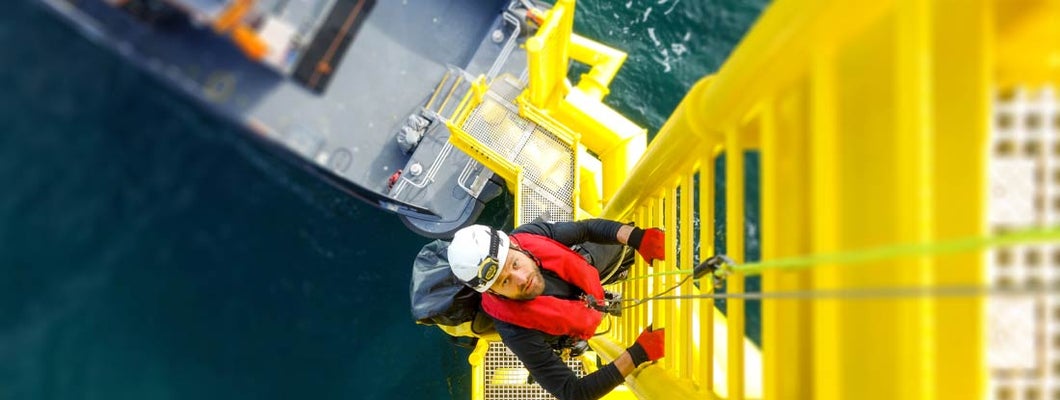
(477, 255)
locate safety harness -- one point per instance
(549, 314)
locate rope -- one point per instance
(959, 245)
(905, 250)
(862, 256)
(637, 302)
(868, 293)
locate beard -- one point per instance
(537, 286)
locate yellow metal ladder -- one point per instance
(910, 168)
(906, 150)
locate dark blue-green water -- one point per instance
(148, 250)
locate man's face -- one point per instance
(520, 278)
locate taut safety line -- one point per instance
(720, 266)
(959, 245)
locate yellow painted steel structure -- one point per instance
(577, 117)
(871, 120)
(575, 113)
(871, 125)
(614, 138)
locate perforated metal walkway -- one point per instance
(547, 186)
(506, 378)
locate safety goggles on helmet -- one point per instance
(477, 254)
(489, 267)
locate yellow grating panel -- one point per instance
(536, 202)
(493, 125)
(1023, 351)
(547, 162)
(548, 178)
(506, 378)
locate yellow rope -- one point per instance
(960, 245)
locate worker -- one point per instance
(539, 292)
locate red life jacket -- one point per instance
(549, 314)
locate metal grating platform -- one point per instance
(506, 378)
(1023, 351)
(547, 162)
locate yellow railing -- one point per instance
(575, 114)
(618, 141)
(871, 120)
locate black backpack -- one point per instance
(437, 296)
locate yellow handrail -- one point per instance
(546, 55)
(618, 141)
(871, 122)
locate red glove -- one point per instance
(650, 243)
(650, 346)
